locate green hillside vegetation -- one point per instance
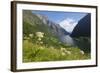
(39, 44)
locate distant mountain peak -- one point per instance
(83, 28)
(68, 24)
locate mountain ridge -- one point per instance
(83, 28)
(68, 24)
(36, 22)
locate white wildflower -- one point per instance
(63, 49)
(52, 47)
(41, 48)
(39, 39)
(39, 34)
(68, 52)
(41, 42)
(82, 52)
(26, 38)
(31, 35)
(63, 53)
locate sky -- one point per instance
(67, 20)
(58, 17)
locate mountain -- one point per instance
(33, 22)
(68, 24)
(54, 27)
(83, 28)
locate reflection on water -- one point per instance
(82, 42)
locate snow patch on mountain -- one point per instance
(68, 24)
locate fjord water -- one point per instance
(67, 39)
(83, 42)
(42, 40)
(80, 37)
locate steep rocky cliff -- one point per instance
(83, 28)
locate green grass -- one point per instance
(51, 49)
(33, 52)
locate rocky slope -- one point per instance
(83, 28)
(35, 22)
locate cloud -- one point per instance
(68, 24)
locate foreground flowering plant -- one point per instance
(39, 35)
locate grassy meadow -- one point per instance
(39, 44)
(50, 49)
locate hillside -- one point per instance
(42, 40)
(83, 28)
(32, 23)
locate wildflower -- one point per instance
(39, 34)
(41, 42)
(52, 47)
(39, 39)
(63, 53)
(41, 48)
(68, 52)
(63, 49)
(26, 38)
(82, 52)
(31, 35)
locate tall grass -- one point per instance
(52, 51)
